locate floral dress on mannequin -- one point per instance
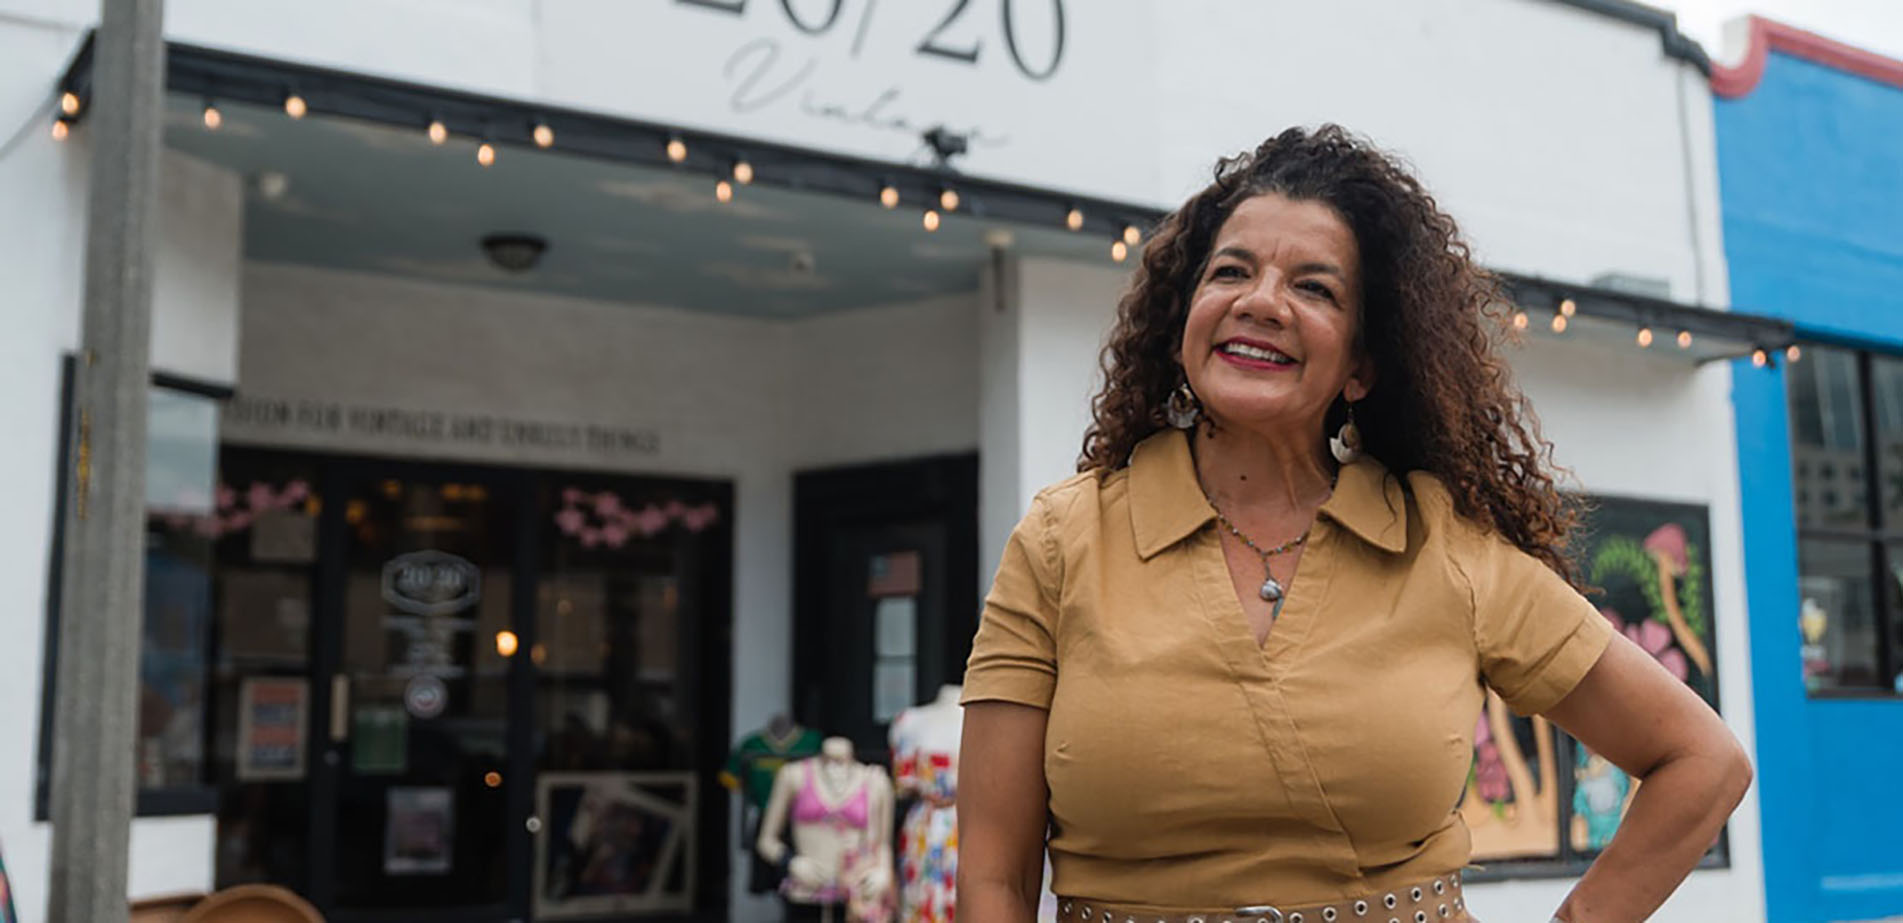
(924, 741)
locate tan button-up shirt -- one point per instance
(1190, 768)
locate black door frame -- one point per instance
(942, 487)
(710, 686)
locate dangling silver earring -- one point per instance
(1183, 409)
(1345, 445)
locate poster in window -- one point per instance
(419, 831)
(614, 843)
(272, 712)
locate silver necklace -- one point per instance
(1272, 589)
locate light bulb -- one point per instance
(1684, 339)
(931, 220)
(1567, 307)
(742, 172)
(486, 153)
(1792, 353)
(889, 196)
(295, 107)
(1075, 219)
(60, 129)
(506, 643)
(723, 191)
(1131, 235)
(1645, 337)
(1519, 320)
(69, 103)
(676, 150)
(949, 199)
(438, 132)
(1119, 250)
(213, 118)
(544, 135)
(1559, 323)
(1759, 358)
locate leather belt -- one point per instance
(1437, 900)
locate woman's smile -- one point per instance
(1255, 354)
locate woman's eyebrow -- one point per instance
(1240, 253)
(1322, 268)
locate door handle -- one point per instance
(339, 708)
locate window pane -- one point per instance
(181, 469)
(1886, 384)
(1896, 616)
(1826, 439)
(1837, 615)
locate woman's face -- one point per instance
(1270, 340)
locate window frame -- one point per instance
(199, 798)
(1873, 535)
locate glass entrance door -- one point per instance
(421, 597)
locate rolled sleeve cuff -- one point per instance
(1562, 671)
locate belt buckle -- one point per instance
(1262, 912)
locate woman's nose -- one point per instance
(1264, 302)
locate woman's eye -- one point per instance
(1226, 272)
(1316, 288)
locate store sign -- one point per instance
(270, 420)
(431, 583)
(1040, 90)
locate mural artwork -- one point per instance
(1650, 564)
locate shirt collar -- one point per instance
(1167, 504)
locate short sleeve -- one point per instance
(1535, 634)
(1014, 656)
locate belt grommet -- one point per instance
(1361, 908)
(1415, 894)
(1443, 910)
(1420, 916)
(1456, 903)
(1328, 915)
(1294, 918)
(1086, 913)
(1390, 901)
(1440, 887)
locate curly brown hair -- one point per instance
(1445, 401)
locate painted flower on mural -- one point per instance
(1490, 771)
(603, 519)
(1653, 638)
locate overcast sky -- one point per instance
(1876, 25)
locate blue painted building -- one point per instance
(1810, 154)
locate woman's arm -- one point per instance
(1693, 773)
(1002, 813)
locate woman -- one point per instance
(1236, 663)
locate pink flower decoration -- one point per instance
(700, 517)
(614, 534)
(207, 526)
(571, 496)
(295, 492)
(1656, 640)
(650, 521)
(238, 522)
(674, 509)
(227, 498)
(607, 504)
(570, 521)
(590, 538)
(260, 497)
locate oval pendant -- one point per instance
(1271, 590)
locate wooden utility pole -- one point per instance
(101, 612)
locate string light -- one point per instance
(742, 172)
(1519, 320)
(723, 191)
(69, 103)
(1759, 358)
(948, 199)
(1792, 353)
(676, 149)
(1075, 219)
(213, 118)
(60, 129)
(438, 132)
(1131, 235)
(1567, 307)
(1559, 322)
(506, 643)
(931, 219)
(544, 135)
(1645, 337)
(295, 107)
(1684, 339)
(1119, 250)
(486, 154)
(889, 195)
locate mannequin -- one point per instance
(925, 768)
(751, 768)
(840, 812)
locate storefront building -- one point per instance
(551, 394)
(1808, 135)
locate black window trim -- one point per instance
(169, 801)
(1876, 534)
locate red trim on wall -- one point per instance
(1768, 35)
